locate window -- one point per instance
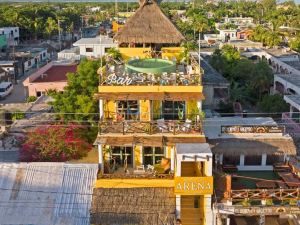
(121, 154)
(252, 160)
(128, 110)
(29, 63)
(89, 49)
(231, 160)
(173, 110)
(153, 155)
(44, 54)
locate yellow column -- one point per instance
(138, 154)
(110, 109)
(145, 110)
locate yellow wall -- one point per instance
(155, 89)
(128, 53)
(192, 107)
(110, 109)
(133, 183)
(145, 110)
(172, 52)
(137, 155)
(116, 27)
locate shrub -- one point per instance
(31, 99)
(54, 143)
(18, 115)
(273, 103)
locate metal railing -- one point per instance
(142, 79)
(150, 127)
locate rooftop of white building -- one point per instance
(212, 127)
(99, 40)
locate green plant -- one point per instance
(245, 202)
(18, 115)
(269, 202)
(31, 99)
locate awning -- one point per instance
(168, 96)
(252, 146)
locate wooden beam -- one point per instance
(157, 141)
(150, 96)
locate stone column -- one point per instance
(242, 160)
(172, 158)
(264, 159)
(100, 157)
(101, 112)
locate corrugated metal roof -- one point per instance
(46, 193)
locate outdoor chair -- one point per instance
(150, 168)
(161, 125)
(186, 127)
(139, 170)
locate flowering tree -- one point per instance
(54, 143)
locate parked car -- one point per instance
(5, 89)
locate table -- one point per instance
(266, 184)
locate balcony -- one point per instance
(161, 126)
(152, 133)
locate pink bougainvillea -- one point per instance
(54, 143)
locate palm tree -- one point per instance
(51, 26)
(200, 23)
(262, 78)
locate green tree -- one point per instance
(51, 26)
(294, 43)
(77, 102)
(273, 103)
(261, 78)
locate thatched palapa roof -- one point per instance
(149, 25)
(258, 146)
(133, 206)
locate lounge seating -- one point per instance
(186, 127)
(139, 170)
(161, 125)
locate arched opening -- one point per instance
(279, 87)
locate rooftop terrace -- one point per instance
(151, 71)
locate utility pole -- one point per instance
(59, 34)
(199, 60)
(81, 26)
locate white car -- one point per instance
(5, 89)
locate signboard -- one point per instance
(257, 210)
(244, 129)
(193, 185)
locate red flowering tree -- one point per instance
(54, 143)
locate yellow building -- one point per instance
(155, 164)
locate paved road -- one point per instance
(18, 94)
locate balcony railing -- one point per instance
(143, 79)
(151, 127)
(136, 176)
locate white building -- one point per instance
(94, 47)
(240, 21)
(72, 54)
(227, 34)
(250, 144)
(12, 35)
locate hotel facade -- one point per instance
(155, 164)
